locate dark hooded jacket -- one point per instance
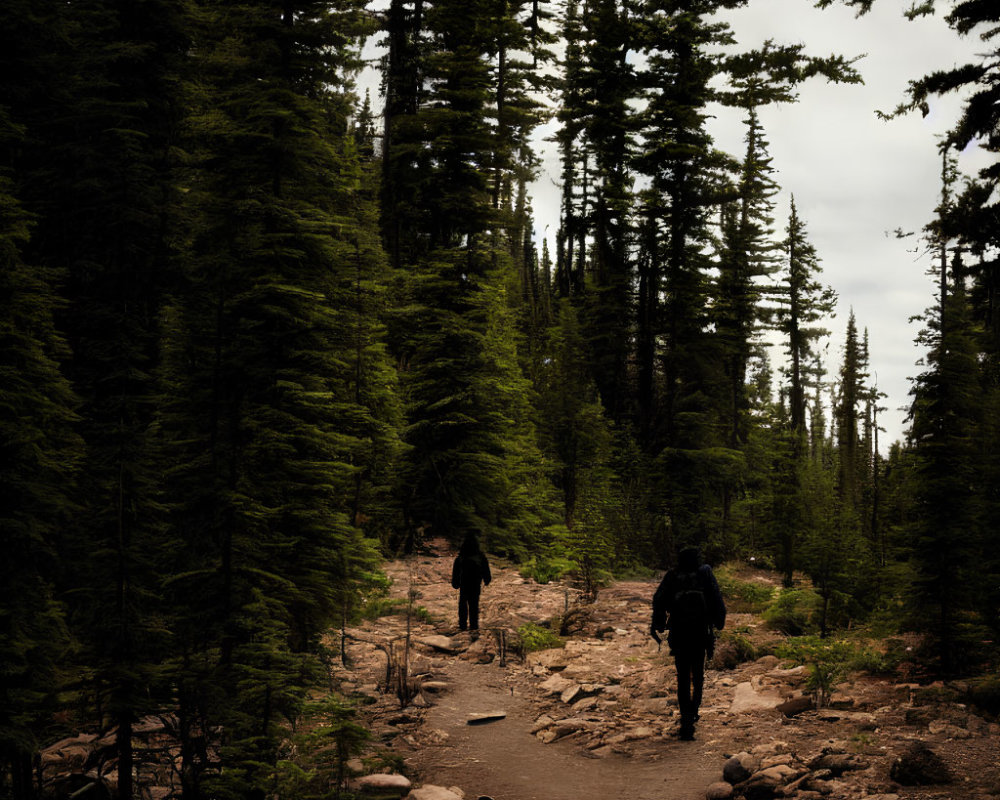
(689, 573)
(471, 570)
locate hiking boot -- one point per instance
(686, 733)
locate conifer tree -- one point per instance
(609, 88)
(686, 178)
(40, 454)
(468, 420)
(271, 378)
(800, 306)
(95, 170)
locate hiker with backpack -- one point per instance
(688, 603)
(470, 572)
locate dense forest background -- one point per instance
(257, 332)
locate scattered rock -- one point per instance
(571, 693)
(383, 783)
(633, 735)
(945, 728)
(842, 700)
(740, 767)
(483, 718)
(565, 727)
(719, 791)
(542, 723)
(838, 763)
(918, 765)
(746, 699)
(654, 705)
(440, 643)
(586, 704)
(557, 684)
(777, 760)
(796, 705)
(431, 792)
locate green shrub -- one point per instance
(377, 607)
(794, 612)
(545, 569)
(749, 597)
(535, 637)
(872, 661)
(828, 660)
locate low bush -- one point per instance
(794, 612)
(828, 660)
(535, 637)
(547, 569)
(388, 606)
(742, 596)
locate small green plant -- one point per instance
(316, 760)
(377, 607)
(828, 660)
(535, 637)
(871, 660)
(794, 612)
(547, 569)
(750, 597)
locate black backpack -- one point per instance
(689, 614)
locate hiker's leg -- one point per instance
(683, 662)
(697, 681)
(463, 609)
(474, 610)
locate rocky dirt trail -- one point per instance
(597, 719)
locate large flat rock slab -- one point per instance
(747, 699)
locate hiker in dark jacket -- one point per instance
(690, 596)
(469, 574)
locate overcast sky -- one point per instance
(855, 178)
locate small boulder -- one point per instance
(719, 791)
(740, 767)
(383, 784)
(542, 723)
(431, 792)
(441, 644)
(570, 693)
(796, 705)
(947, 729)
(483, 718)
(746, 698)
(918, 765)
(556, 684)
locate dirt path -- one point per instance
(505, 761)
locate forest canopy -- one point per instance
(259, 331)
